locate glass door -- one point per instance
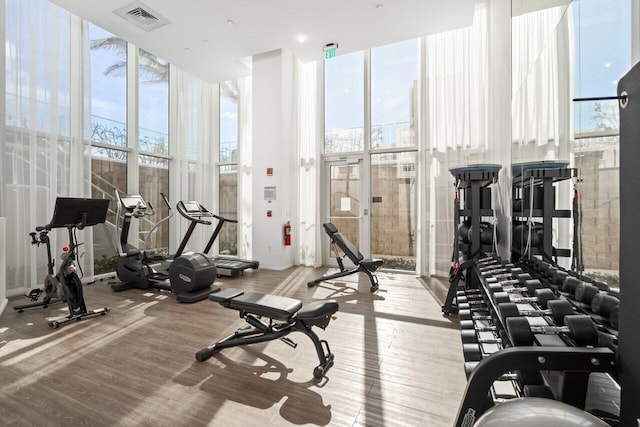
(348, 207)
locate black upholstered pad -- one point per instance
(271, 306)
(318, 309)
(329, 228)
(225, 295)
(348, 248)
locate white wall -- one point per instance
(273, 147)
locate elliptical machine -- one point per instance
(190, 275)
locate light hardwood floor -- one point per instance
(398, 361)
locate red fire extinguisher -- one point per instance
(287, 233)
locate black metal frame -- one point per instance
(565, 359)
(72, 214)
(39, 237)
(629, 93)
(260, 331)
(361, 265)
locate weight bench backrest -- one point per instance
(343, 243)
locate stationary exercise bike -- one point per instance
(72, 214)
(52, 287)
(190, 275)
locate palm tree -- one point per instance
(152, 69)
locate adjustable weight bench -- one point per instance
(367, 266)
(285, 315)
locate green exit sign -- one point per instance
(330, 53)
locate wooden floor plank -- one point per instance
(398, 361)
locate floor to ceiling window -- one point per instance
(153, 148)
(107, 129)
(602, 33)
(228, 167)
(377, 210)
(394, 90)
(112, 148)
(344, 103)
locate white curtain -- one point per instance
(542, 89)
(195, 151)
(43, 158)
(541, 85)
(456, 116)
(309, 126)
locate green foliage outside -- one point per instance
(105, 264)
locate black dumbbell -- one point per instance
(527, 285)
(473, 352)
(607, 306)
(580, 328)
(474, 314)
(540, 296)
(585, 292)
(556, 309)
(513, 279)
(472, 305)
(471, 336)
(469, 298)
(570, 284)
(480, 326)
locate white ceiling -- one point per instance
(199, 39)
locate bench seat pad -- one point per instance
(271, 306)
(318, 309)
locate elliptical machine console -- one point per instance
(190, 276)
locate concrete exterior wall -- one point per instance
(600, 197)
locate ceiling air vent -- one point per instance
(142, 16)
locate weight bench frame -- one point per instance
(366, 266)
(286, 315)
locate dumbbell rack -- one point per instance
(541, 179)
(574, 364)
(470, 180)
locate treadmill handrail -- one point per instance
(223, 219)
(203, 213)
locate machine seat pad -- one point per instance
(318, 309)
(372, 264)
(225, 295)
(271, 306)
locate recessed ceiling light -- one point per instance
(301, 38)
(186, 49)
(379, 6)
(231, 22)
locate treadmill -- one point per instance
(196, 213)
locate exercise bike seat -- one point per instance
(271, 306)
